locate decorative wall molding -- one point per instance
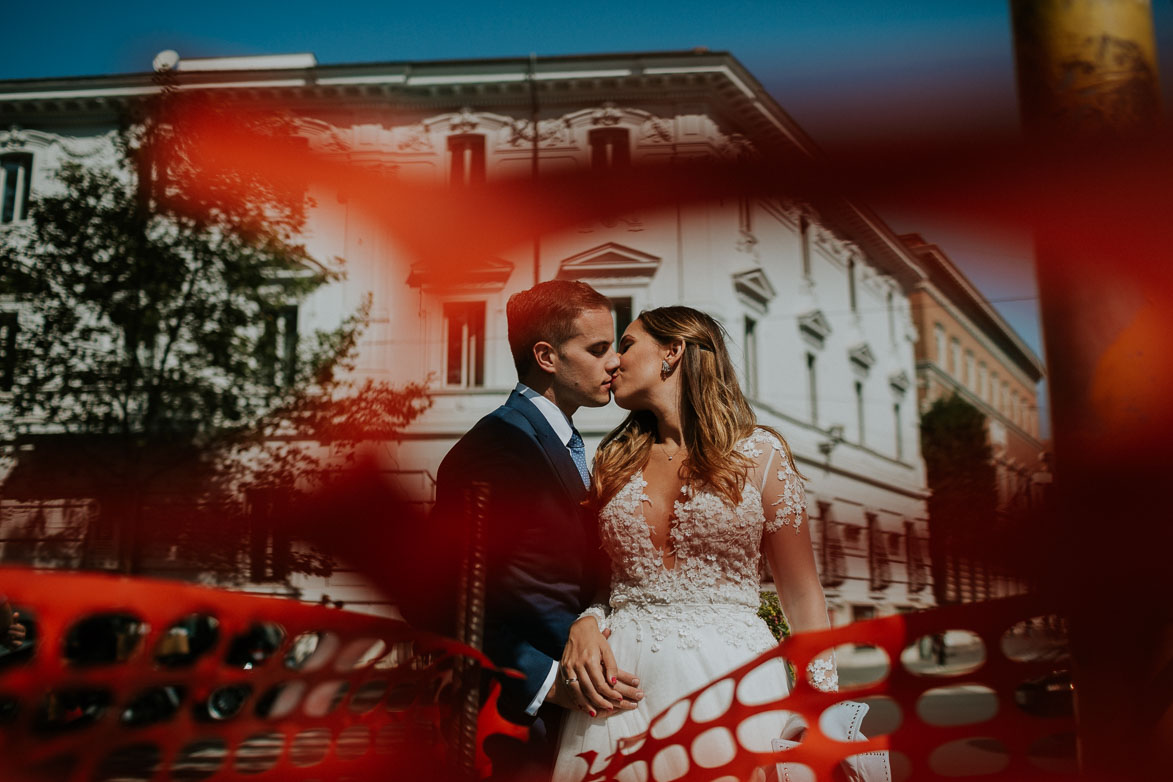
(815, 327)
(488, 274)
(754, 288)
(551, 133)
(610, 260)
(412, 138)
(17, 139)
(861, 356)
(899, 381)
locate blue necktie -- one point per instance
(578, 453)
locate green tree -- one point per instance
(157, 340)
(962, 480)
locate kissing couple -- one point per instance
(617, 589)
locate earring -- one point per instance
(665, 368)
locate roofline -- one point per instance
(147, 75)
(932, 254)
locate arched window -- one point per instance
(16, 173)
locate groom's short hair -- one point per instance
(546, 313)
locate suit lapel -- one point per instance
(554, 449)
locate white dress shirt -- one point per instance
(560, 423)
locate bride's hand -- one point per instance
(590, 676)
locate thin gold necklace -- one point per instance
(679, 448)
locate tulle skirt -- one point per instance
(676, 652)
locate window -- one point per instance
(745, 214)
(899, 431)
(970, 374)
(8, 327)
(859, 410)
(610, 148)
(939, 334)
(983, 389)
(862, 613)
(751, 358)
(279, 346)
(851, 298)
(812, 386)
(464, 343)
(995, 389)
(879, 573)
(270, 545)
(16, 173)
(891, 317)
(914, 558)
(466, 155)
(833, 559)
(804, 238)
(1005, 400)
(621, 314)
(955, 344)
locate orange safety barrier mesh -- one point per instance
(360, 700)
(1009, 738)
(209, 684)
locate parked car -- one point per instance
(1052, 695)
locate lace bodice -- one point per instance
(717, 547)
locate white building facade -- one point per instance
(815, 301)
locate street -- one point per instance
(959, 702)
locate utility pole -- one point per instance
(1087, 81)
(534, 172)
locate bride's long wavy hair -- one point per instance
(714, 414)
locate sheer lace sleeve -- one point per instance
(599, 611)
(783, 497)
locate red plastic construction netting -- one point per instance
(137, 679)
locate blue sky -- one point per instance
(842, 68)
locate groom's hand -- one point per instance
(589, 676)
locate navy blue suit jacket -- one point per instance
(544, 561)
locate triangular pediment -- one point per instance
(899, 381)
(609, 260)
(755, 285)
(861, 355)
(815, 326)
(484, 274)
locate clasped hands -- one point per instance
(588, 678)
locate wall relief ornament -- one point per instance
(608, 114)
(13, 137)
(413, 138)
(551, 133)
(465, 121)
(18, 138)
(655, 130)
(735, 146)
(323, 136)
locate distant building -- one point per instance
(967, 349)
(819, 305)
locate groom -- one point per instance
(544, 559)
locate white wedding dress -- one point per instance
(680, 629)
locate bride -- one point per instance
(689, 492)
